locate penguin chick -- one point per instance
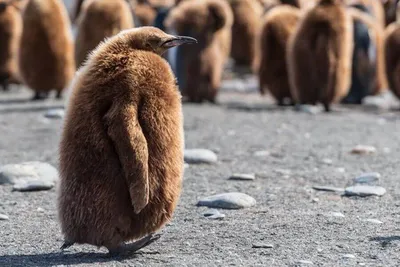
(374, 9)
(121, 151)
(199, 70)
(100, 19)
(319, 55)
(246, 25)
(10, 34)
(278, 25)
(46, 56)
(145, 14)
(392, 56)
(364, 61)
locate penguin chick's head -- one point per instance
(153, 39)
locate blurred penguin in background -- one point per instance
(46, 54)
(364, 60)
(392, 54)
(10, 35)
(100, 19)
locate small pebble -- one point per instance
(213, 214)
(336, 214)
(282, 171)
(373, 221)
(348, 256)
(262, 153)
(341, 170)
(328, 188)
(3, 217)
(40, 209)
(228, 201)
(327, 161)
(199, 155)
(363, 150)
(364, 190)
(33, 186)
(304, 262)
(315, 200)
(55, 113)
(262, 245)
(310, 109)
(242, 176)
(186, 165)
(367, 178)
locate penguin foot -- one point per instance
(66, 244)
(59, 95)
(39, 96)
(131, 248)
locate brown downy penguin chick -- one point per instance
(100, 19)
(10, 35)
(392, 54)
(46, 58)
(277, 27)
(199, 68)
(121, 152)
(320, 54)
(143, 12)
(376, 12)
(246, 25)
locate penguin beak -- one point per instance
(178, 40)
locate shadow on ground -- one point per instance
(58, 258)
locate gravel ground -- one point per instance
(300, 223)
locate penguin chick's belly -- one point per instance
(98, 211)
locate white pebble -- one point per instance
(363, 150)
(373, 221)
(3, 217)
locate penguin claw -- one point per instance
(135, 246)
(66, 245)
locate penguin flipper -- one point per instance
(124, 129)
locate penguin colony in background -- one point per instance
(121, 180)
(223, 32)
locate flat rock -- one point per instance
(367, 178)
(214, 214)
(328, 188)
(243, 176)
(262, 245)
(199, 155)
(232, 200)
(56, 113)
(3, 217)
(348, 256)
(27, 172)
(303, 262)
(363, 150)
(262, 153)
(31, 186)
(373, 221)
(364, 190)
